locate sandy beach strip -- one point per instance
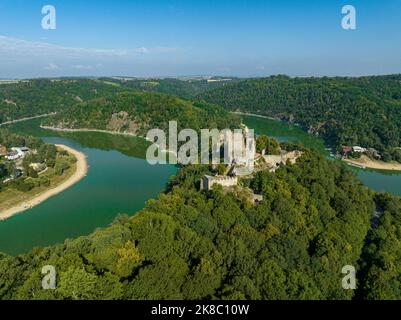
(254, 115)
(80, 172)
(364, 161)
(91, 130)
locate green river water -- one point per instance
(379, 180)
(120, 181)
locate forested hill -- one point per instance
(363, 111)
(137, 112)
(186, 88)
(188, 244)
(34, 97)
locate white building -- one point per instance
(359, 149)
(17, 153)
(13, 155)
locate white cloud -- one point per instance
(23, 47)
(86, 67)
(142, 50)
(22, 58)
(35, 48)
(52, 67)
(156, 50)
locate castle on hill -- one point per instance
(208, 182)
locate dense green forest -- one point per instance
(315, 217)
(137, 112)
(187, 244)
(40, 96)
(381, 268)
(35, 97)
(363, 111)
(185, 88)
(10, 139)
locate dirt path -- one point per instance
(26, 119)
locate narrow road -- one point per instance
(29, 118)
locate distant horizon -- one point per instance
(196, 76)
(174, 38)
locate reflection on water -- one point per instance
(128, 145)
(379, 180)
(282, 131)
(119, 181)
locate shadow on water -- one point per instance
(128, 145)
(378, 180)
(119, 180)
(282, 131)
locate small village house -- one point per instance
(17, 153)
(359, 149)
(38, 167)
(13, 155)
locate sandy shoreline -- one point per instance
(363, 162)
(254, 115)
(80, 172)
(91, 130)
(375, 164)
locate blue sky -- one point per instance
(203, 37)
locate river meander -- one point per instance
(120, 181)
(375, 179)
